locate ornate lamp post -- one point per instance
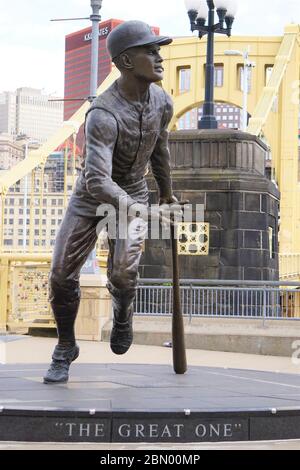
(198, 11)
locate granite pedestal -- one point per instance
(224, 172)
(147, 403)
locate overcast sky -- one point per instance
(32, 47)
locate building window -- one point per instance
(44, 211)
(268, 72)
(52, 211)
(20, 221)
(53, 221)
(37, 211)
(271, 242)
(219, 75)
(9, 232)
(36, 233)
(53, 202)
(241, 77)
(184, 79)
(36, 221)
(11, 221)
(60, 202)
(11, 211)
(53, 232)
(44, 222)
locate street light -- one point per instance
(95, 19)
(247, 65)
(198, 11)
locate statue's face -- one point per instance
(147, 63)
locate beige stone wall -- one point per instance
(95, 307)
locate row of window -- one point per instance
(54, 202)
(184, 77)
(39, 101)
(9, 242)
(36, 221)
(37, 233)
(36, 211)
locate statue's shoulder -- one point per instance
(162, 96)
(106, 100)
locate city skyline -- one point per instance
(37, 45)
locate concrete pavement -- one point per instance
(24, 350)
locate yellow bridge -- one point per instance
(273, 105)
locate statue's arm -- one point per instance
(160, 158)
(101, 136)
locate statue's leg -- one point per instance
(122, 273)
(75, 240)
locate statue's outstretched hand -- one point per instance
(169, 209)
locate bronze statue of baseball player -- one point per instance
(126, 132)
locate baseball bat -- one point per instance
(178, 342)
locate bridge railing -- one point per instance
(221, 299)
(24, 290)
(24, 295)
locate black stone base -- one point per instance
(148, 403)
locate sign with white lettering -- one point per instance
(184, 430)
(51, 429)
(107, 428)
(103, 32)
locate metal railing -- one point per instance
(24, 289)
(24, 295)
(221, 299)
